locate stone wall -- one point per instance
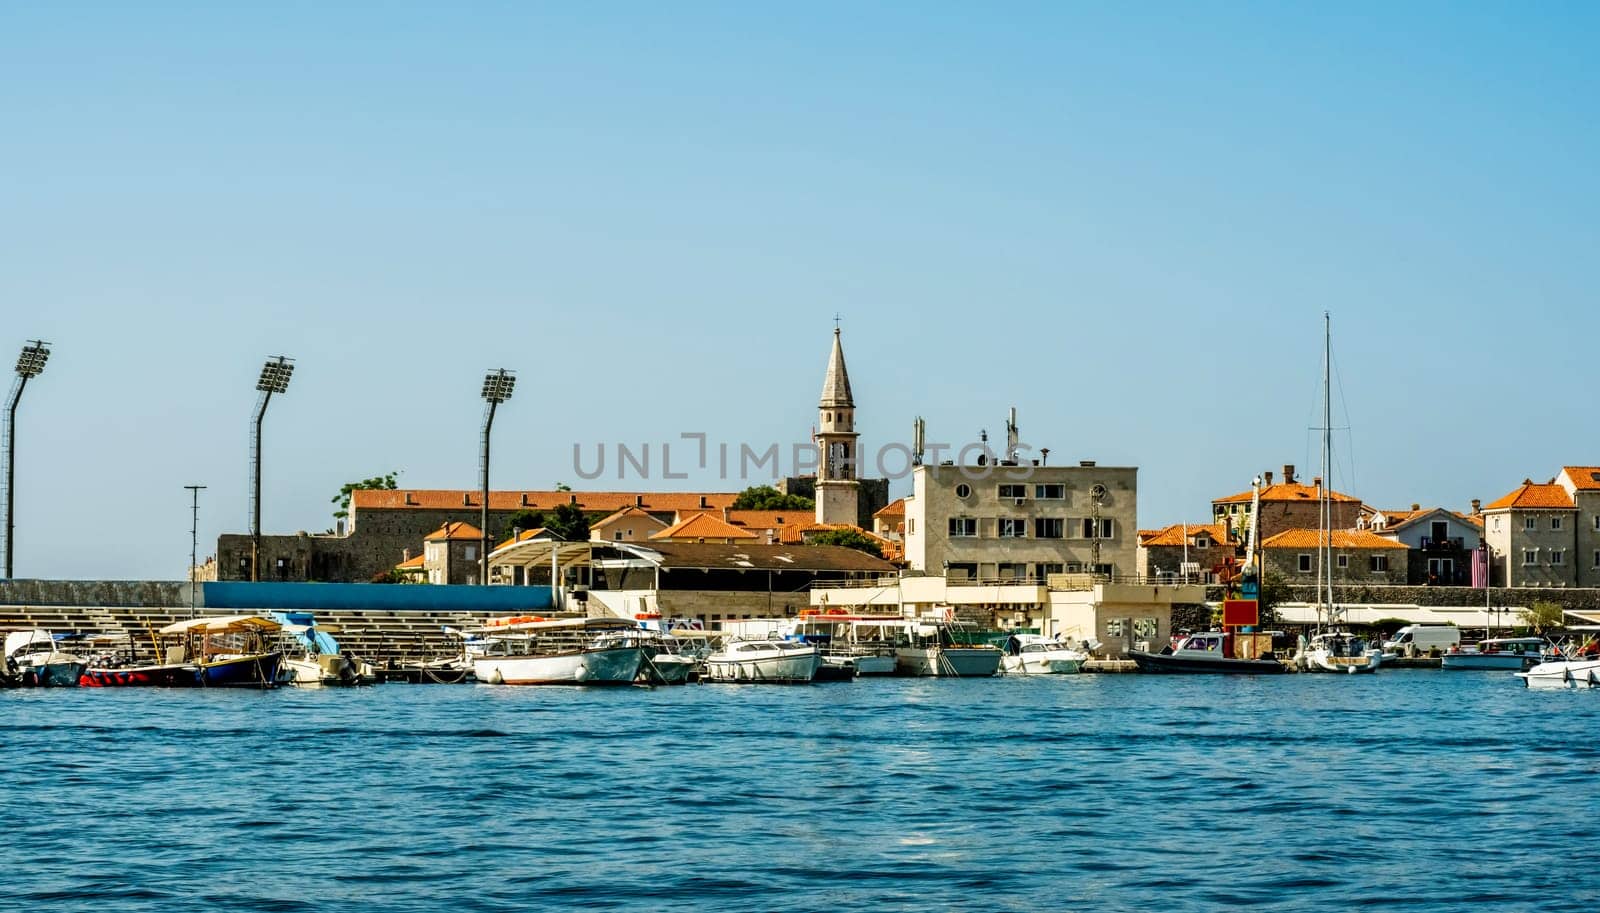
(1572, 599)
(872, 496)
(150, 593)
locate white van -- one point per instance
(1426, 637)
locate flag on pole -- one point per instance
(1480, 568)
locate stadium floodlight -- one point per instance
(30, 364)
(274, 378)
(497, 387)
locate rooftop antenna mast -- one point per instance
(919, 437)
(1011, 436)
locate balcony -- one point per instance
(1445, 544)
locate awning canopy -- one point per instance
(222, 624)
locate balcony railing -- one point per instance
(1445, 544)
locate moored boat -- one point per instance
(1507, 654)
(755, 661)
(312, 657)
(1035, 654)
(34, 659)
(228, 651)
(1214, 652)
(853, 644)
(1343, 652)
(563, 651)
(931, 648)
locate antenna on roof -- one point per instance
(919, 434)
(1011, 436)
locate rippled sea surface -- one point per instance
(1419, 790)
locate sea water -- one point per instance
(1416, 790)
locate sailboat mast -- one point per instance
(1326, 507)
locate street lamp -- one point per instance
(30, 364)
(274, 379)
(497, 387)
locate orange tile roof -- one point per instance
(1339, 538)
(456, 499)
(454, 531)
(703, 526)
(1533, 495)
(412, 564)
(525, 536)
(1173, 535)
(1584, 478)
(769, 519)
(637, 513)
(1281, 491)
(895, 508)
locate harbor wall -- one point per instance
(245, 596)
(1572, 599)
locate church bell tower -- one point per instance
(838, 490)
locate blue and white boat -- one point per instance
(1508, 654)
(229, 651)
(312, 657)
(35, 659)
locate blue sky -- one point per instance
(1124, 219)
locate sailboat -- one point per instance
(1333, 649)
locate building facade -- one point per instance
(1285, 505)
(1532, 536)
(1007, 522)
(1358, 556)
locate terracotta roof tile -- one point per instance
(1533, 495)
(630, 511)
(1583, 478)
(895, 508)
(454, 531)
(702, 526)
(1173, 535)
(456, 499)
(1339, 538)
(410, 564)
(1281, 491)
(527, 535)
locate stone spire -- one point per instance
(836, 385)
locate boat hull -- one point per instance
(258, 670)
(175, 676)
(1219, 665)
(1563, 674)
(836, 669)
(796, 668)
(1052, 663)
(59, 673)
(667, 669)
(1478, 662)
(609, 666)
(319, 672)
(948, 662)
(1342, 665)
(875, 664)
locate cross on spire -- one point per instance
(836, 321)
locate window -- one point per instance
(911, 524)
(1530, 557)
(1074, 567)
(1379, 563)
(1105, 569)
(1013, 491)
(1096, 528)
(1530, 523)
(963, 527)
(1049, 528)
(1597, 558)
(1012, 528)
(1555, 522)
(1344, 561)
(1011, 571)
(617, 535)
(1058, 492)
(1305, 564)
(963, 490)
(1558, 557)
(1597, 522)
(1045, 570)
(1113, 627)
(470, 553)
(1145, 628)
(963, 570)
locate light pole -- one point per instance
(194, 540)
(30, 364)
(274, 379)
(497, 387)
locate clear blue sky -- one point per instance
(1124, 219)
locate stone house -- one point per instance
(1441, 543)
(450, 554)
(630, 524)
(1193, 551)
(1532, 536)
(1285, 505)
(1359, 557)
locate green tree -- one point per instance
(524, 520)
(849, 538)
(1274, 591)
(569, 522)
(1542, 616)
(765, 497)
(376, 483)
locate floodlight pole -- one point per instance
(497, 387)
(275, 376)
(29, 365)
(194, 540)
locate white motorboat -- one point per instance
(569, 651)
(864, 642)
(33, 658)
(1508, 654)
(1035, 654)
(931, 648)
(312, 658)
(1564, 673)
(781, 661)
(1341, 651)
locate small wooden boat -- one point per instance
(228, 651)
